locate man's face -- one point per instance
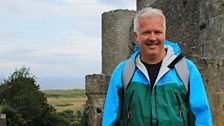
(151, 39)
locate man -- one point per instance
(155, 96)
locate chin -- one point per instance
(152, 53)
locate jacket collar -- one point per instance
(170, 56)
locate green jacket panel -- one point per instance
(163, 106)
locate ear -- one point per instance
(136, 37)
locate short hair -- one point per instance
(150, 13)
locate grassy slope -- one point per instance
(66, 99)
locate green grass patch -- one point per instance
(74, 93)
(61, 105)
(63, 100)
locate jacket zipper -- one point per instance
(180, 109)
(156, 108)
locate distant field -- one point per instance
(66, 99)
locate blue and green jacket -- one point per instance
(167, 104)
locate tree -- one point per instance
(22, 94)
(13, 117)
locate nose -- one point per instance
(152, 37)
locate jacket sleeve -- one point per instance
(112, 100)
(199, 104)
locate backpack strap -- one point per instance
(183, 72)
(178, 63)
(181, 68)
(128, 72)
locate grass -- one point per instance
(66, 99)
(65, 93)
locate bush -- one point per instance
(25, 104)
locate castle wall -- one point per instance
(144, 3)
(212, 71)
(117, 38)
(96, 88)
(211, 36)
(211, 39)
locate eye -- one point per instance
(158, 32)
(146, 33)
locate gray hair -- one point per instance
(150, 13)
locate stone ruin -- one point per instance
(2, 119)
(197, 25)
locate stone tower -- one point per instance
(117, 38)
(198, 27)
(117, 42)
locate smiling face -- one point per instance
(151, 38)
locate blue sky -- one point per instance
(53, 37)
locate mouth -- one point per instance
(149, 43)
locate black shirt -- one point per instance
(153, 70)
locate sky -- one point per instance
(54, 38)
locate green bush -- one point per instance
(24, 103)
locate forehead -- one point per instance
(151, 22)
(158, 19)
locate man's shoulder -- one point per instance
(190, 64)
(120, 66)
(116, 76)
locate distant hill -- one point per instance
(63, 82)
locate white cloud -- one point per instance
(53, 37)
(34, 9)
(64, 57)
(7, 34)
(69, 42)
(9, 64)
